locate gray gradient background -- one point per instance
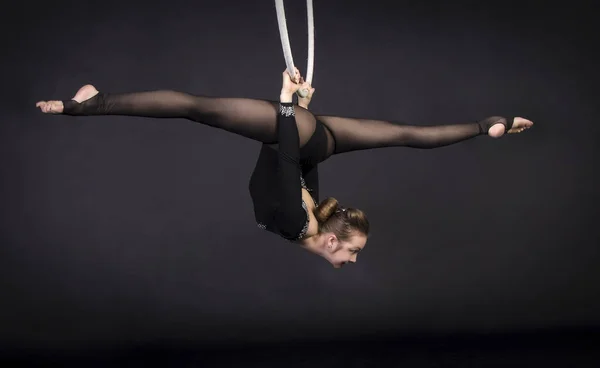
(119, 230)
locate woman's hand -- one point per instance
(290, 85)
(304, 101)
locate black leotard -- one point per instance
(279, 175)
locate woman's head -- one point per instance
(343, 231)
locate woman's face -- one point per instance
(341, 252)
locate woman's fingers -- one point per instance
(297, 77)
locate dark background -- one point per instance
(131, 240)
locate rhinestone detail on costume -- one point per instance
(305, 228)
(287, 111)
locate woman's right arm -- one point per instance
(291, 217)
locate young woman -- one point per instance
(284, 184)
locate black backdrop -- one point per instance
(132, 234)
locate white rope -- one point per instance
(311, 42)
(285, 42)
(283, 33)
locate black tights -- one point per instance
(257, 119)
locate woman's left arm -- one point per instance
(305, 101)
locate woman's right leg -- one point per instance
(254, 119)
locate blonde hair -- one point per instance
(343, 222)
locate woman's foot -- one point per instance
(56, 107)
(519, 125)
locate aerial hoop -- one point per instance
(287, 49)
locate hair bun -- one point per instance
(326, 209)
(343, 222)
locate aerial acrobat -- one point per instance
(284, 184)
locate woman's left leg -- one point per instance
(360, 134)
